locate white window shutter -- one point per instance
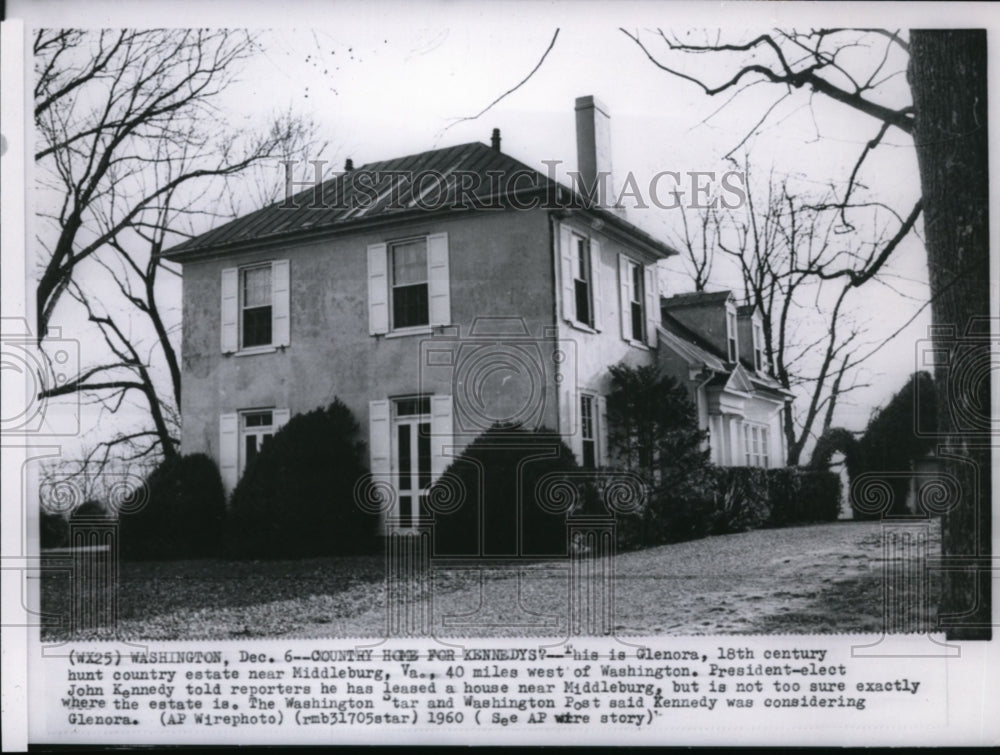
(380, 441)
(566, 252)
(280, 315)
(438, 281)
(602, 431)
(229, 448)
(280, 417)
(442, 434)
(625, 295)
(652, 306)
(230, 310)
(378, 290)
(596, 290)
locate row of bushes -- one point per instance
(734, 499)
(511, 492)
(296, 498)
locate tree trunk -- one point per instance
(947, 75)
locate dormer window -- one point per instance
(731, 334)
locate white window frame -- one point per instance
(380, 286)
(732, 336)
(261, 432)
(233, 305)
(571, 244)
(756, 440)
(588, 430)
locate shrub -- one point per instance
(296, 497)
(509, 486)
(803, 495)
(89, 510)
(53, 530)
(743, 500)
(182, 515)
(654, 432)
(820, 493)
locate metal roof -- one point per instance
(466, 177)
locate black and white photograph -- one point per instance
(567, 373)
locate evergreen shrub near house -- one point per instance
(297, 497)
(798, 495)
(510, 492)
(743, 501)
(182, 515)
(653, 432)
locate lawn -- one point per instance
(822, 578)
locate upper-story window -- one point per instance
(255, 307)
(409, 290)
(731, 334)
(637, 297)
(409, 284)
(758, 347)
(582, 281)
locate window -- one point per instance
(755, 445)
(587, 433)
(256, 428)
(636, 305)
(409, 289)
(255, 307)
(412, 448)
(409, 284)
(582, 280)
(758, 346)
(731, 334)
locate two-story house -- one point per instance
(716, 349)
(434, 294)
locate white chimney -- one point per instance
(593, 150)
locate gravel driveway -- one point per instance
(810, 579)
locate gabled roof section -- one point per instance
(465, 177)
(700, 348)
(746, 310)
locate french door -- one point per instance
(411, 449)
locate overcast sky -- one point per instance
(385, 80)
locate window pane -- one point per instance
(409, 306)
(409, 263)
(257, 326)
(424, 454)
(250, 448)
(257, 419)
(637, 283)
(407, 407)
(257, 286)
(403, 454)
(587, 417)
(582, 260)
(637, 321)
(582, 301)
(588, 454)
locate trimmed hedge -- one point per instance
(183, 515)
(297, 497)
(798, 495)
(509, 493)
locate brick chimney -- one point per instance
(593, 150)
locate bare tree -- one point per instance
(130, 150)
(946, 116)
